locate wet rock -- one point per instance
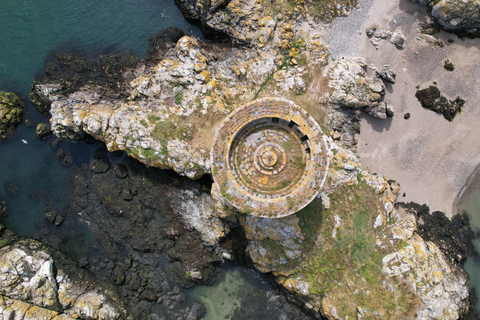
(99, 162)
(67, 160)
(449, 66)
(43, 130)
(120, 170)
(50, 216)
(11, 111)
(60, 155)
(453, 236)
(137, 270)
(11, 188)
(3, 208)
(127, 195)
(59, 220)
(431, 99)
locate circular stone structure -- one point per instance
(269, 158)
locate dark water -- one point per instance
(32, 32)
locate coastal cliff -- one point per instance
(352, 253)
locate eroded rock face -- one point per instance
(353, 89)
(35, 286)
(460, 17)
(431, 287)
(11, 111)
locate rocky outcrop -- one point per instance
(330, 255)
(459, 17)
(11, 111)
(38, 283)
(353, 89)
(308, 252)
(432, 99)
(397, 38)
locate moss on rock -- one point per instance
(11, 112)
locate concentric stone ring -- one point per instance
(269, 158)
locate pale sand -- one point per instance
(430, 157)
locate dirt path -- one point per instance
(429, 156)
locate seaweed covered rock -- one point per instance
(432, 99)
(11, 111)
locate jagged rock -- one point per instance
(460, 17)
(398, 39)
(386, 73)
(35, 286)
(431, 99)
(50, 216)
(376, 35)
(353, 89)
(43, 130)
(99, 162)
(11, 111)
(120, 170)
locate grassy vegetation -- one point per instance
(167, 130)
(330, 264)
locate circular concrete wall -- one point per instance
(269, 158)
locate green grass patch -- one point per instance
(330, 264)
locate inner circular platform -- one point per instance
(269, 158)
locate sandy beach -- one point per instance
(430, 157)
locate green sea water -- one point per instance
(470, 203)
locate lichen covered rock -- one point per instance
(353, 89)
(35, 286)
(460, 17)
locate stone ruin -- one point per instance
(269, 158)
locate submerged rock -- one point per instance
(11, 111)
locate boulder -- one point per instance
(459, 17)
(11, 111)
(43, 130)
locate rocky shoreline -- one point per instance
(163, 110)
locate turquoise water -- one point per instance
(32, 32)
(470, 202)
(240, 294)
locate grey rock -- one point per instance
(50, 216)
(398, 39)
(386, 73)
